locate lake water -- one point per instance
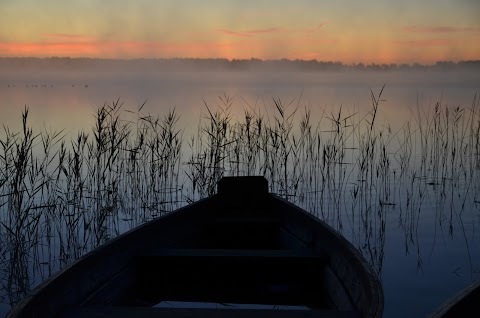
(68, 100)
(416, 223)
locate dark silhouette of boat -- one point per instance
(465, 303)
(245, 249)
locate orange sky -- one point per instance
(342, 30)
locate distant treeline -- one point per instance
(178, 64)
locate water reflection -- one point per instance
(61, 197)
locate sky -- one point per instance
(349, 31)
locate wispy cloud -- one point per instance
(438, 29)
(425, 42)
(251, 33)
(321, 25)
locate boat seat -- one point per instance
(284, 277)
(256, 253)
(151, 312)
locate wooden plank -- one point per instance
(290, 277)
(151, 312)
(208, 252)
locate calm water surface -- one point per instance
(68, 101)
(423, 242)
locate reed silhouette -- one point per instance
(62, 197)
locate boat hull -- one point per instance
(242, 245)
(465, 303)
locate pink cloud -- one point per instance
(112, 49)
(438, 29)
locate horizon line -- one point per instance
(252, 59)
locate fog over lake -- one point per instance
(67, 100)
(422, 241)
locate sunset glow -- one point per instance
(346, 31)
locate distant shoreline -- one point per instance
(217, 64)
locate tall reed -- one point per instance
(61, 197)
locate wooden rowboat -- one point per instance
(243, 250)
(465, 303)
